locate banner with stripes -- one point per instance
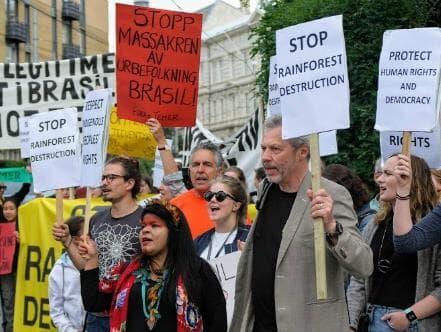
(242, 149)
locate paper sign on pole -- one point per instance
(312, 77)
(225, 268)
(157, 66)
(158, 169)
(328, 143)
(273, 106)
(408, 80)
(7, 248)
(425, 145)
(130, 138)
(23, 125)
(95, 125)
(54, 149)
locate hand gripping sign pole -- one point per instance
(319, 231)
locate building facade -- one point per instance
(227, 71)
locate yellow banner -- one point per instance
(130, 138)
(38, 253)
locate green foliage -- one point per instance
(364, 22)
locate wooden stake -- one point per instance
(87, 212)
(407, 137)
(319, 229)
(59, 206)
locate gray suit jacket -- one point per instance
(297, 309)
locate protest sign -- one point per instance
(16, 174)
(158, 169)
(95, 125)
(8, 241)
(130, 138)
(408, 82)
(23, 125)
(312, 77)
(273, 106)
(29, 88)
(38, 254)
(157, 66)
(423, 144)
(328, 143)
(54, 149)
(225, 268)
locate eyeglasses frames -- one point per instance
(220, 196)
(111, 177)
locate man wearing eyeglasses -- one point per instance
(275, 281)
(205, 165)
(115, 230)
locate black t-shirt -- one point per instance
(267, 237)
(397, 287)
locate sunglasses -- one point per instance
(220, 196)
(3, 187)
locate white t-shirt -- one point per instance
(218, 241)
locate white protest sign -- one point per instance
(328, 143)
(225, 268)
(95, 136)
(29, 88)
(23, 124)
(408, 80)
(54, 149)
(158, 169)
(425, 145)
(273, 106)
(312, 77)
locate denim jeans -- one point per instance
(377, 325)
(97, 323)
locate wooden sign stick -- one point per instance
(319, 230)
(59, 206)
(407, 137)
(87, 212)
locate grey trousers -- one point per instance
(7, 288)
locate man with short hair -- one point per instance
(275, 282)
(115, 230)
(205, 165)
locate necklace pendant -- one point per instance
(151, 323)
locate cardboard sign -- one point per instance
(157, 66)
(29, 88)
(19, 174)
(7, 247)
(424, 145)
(408, 80)
(129, 138)
(23, 124)
(274, 104)
(312, 77)
(225, 268)
(54, 149)
(95, 125)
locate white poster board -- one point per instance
(225, 268)
(158, 169)
(55, 149)
(23, 124)
(312, 77)
(95, 122)
(328, 143)
(408, 80)
(423, 144)
(273, 106)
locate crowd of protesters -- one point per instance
(383, 263)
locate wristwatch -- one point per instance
(336, 234)
(162, 148)
(411, 316)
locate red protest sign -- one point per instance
(157, 64)
(7, 247)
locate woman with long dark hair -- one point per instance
(167, 288)
(404, 291)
